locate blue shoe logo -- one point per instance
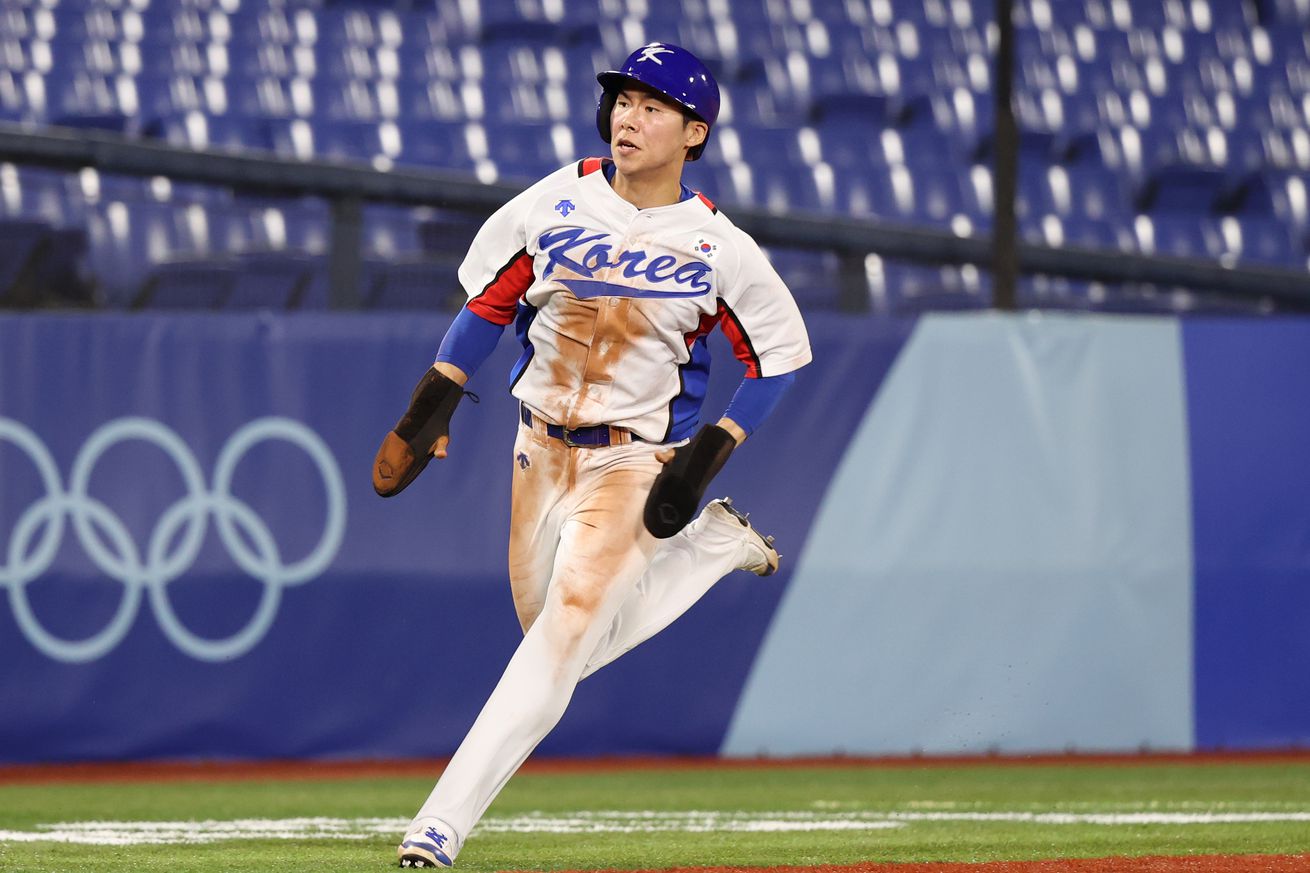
(437, 837)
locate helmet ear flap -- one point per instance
(605, 109)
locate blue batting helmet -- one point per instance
(672, 71)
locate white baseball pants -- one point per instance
(589, 584)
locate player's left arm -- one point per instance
(761, 320)
(763, 323)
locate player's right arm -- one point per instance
(495, 274)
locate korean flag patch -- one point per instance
(706, 249)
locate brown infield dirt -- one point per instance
(237, 771)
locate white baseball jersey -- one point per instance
(613, 303)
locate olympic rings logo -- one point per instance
(36, 536)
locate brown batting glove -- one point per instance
(406, 450)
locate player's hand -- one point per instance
(421, 434)
(666, 455)
(687, 472)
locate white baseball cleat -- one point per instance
(761, 557)
(429, 843)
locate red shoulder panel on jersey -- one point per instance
(587, 166)
(741, 343)
(706, 325)
(707, 201)
(732, 329)
(498, 302)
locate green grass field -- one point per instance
(698, 817)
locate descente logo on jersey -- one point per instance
(586, 254)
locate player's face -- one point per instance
(648, 133)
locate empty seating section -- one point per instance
(1173, 127)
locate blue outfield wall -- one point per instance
(1016, 533)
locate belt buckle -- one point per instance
(568, 440)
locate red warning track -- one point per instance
(1192, 864)
(237, 771)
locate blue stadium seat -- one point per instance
(1088, 191)
(459, 100)
(765, 147)
(854, 147)
(528, 151)
(257, 223)
(349, 61)
(528, 102)
(902, 287)
(355, 99)
(435, 144)
(1250, 149)
(22, 96)
(175, 58)
(1033, 196)
(269, 280)
(38, 193)
(367, 141)
(166, 23)
(389, 231)
(248, 59)
(812, 276)
(261, 25)
(289, 137)
(270, 97)
(1283, 195)
(22, 242)
(717, 183)
(1183, 189)
(937, 194)
(1263, 241)
(1179, 235)
(200, 131)
(186, 284)
(421, 63)
(355, 26)
(96, 22)
(160, 94)
(419, 284)
(767, 90)
(786, 192)
(834, 79)
(447, 233)
(1286, 13)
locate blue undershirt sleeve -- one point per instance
(756, 398)
(469, 341)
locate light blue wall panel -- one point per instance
(1003, 560)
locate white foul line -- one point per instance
(123, 833)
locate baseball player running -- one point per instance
(612, 273)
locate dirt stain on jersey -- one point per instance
(574, 324)
(592, 337)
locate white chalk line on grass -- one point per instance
(174, 832)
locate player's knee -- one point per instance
(577, 606)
